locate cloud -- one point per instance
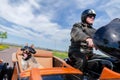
(26, 24)
(111, 8)
(106, 13)
(84, 4)
(101, 21)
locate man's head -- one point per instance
(88, 16)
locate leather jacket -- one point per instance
(79, 33)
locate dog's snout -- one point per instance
(27, 51)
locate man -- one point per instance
(81, 47)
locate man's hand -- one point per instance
(90, 42)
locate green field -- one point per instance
(2, 47)
(61, 55)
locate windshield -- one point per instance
(62, 77)
(59, 77)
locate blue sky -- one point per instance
(47, 23)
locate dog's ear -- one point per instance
(32, 46)
(32, 50)
(24, 47)
(26, 44)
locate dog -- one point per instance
(28, 61)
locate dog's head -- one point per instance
(27, 51)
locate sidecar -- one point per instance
(52, 68)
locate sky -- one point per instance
(47, 23)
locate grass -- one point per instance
(61, 55)
(2, 47)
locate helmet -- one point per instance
(86, 13)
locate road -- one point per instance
(6, 55)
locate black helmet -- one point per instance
(86, 13)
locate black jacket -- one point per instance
(79, 33)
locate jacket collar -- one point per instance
(86, 25)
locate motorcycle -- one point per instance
(107, 40)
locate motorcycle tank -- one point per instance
(107, 38)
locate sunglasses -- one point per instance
(91, 16)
